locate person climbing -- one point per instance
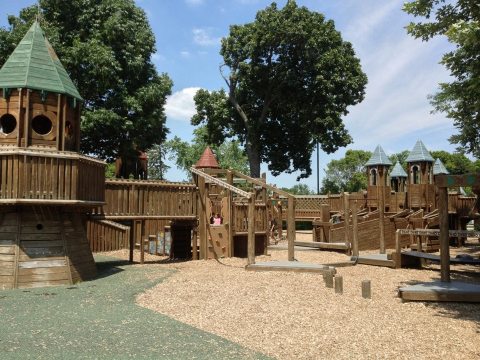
(217, 220)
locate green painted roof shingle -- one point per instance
(439, 168)
(398, 171)
(419, 153)
(34, 65)
(378, 158)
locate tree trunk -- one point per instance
(253, 154)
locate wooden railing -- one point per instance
(240, 216)
(35, 175)
(130, 198)
(104, 235)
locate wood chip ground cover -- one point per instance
(99, 320)
(294, 316)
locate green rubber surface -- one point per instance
(99, 320)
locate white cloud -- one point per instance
(180, 105)
(203, 37)
(185, 53)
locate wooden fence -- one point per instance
(105, 235)
(29, 176)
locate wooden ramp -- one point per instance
(324, 245)
(375, 260)
(441, 291)
(296, 266)
(436, 258)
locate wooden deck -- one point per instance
(295, 266)
(375, 260)
(441, 291)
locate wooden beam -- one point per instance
(229, 220)
(355, 228)
(26, 125)
(346, 211)
(261, 183)
(291, 228)
(444, 234)
(251, 229)
(202, 217)
(442, 181)
(20, 118)
(381, 217)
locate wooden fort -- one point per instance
(47, 187)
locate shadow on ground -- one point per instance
(99, 319)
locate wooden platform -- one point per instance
(375, 260)
(296, 266)
(441, 291)
(436, 258)
(323, 245)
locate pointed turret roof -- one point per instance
(378, 158)
(34, 65)
(398, 171)
(419, 153)
(207, 160)
(439, 168)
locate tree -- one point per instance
(400, 157)
(290, 78)
(156, 162)
(229, 154)
(299, 189)
(459, 21)
(456, 163)
(106, 47)
(346, 174)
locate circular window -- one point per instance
(41, 124)
(8, 123)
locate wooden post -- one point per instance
(20, 130)
(398, 251)
(355, 228)
(229, 214)
(291, 228)
(202, 217)
(338, 284)
(251, 229)
(26, 127)
(381, 217)
(59, 127)
(366, 289)
(444, 236)
(328, 277)
(346, 210)
(266, 217)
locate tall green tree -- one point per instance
(459, 21)
(229, 154)
(106, 47)
(299, 189)
(400, 157)
(290, 78)
(456, 163)
(346, 174)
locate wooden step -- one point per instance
(323, 245)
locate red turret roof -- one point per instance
(207, 160)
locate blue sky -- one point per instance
(402, 71)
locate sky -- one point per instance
(401, 70)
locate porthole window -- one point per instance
(8, 124)
(42, 125)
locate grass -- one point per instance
(100, 320)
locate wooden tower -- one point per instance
(398, 178)
(46, 185)
(378, 188)
(421, 190)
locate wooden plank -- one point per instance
(31, 285)
(251, 229)
(41, 264)
(7, 258)
(7, 250)
(6, 271)
(291, 227)
(42, 277)
(38, 271)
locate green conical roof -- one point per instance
(34, 65)
(419, 153)
(378, 158)
(398, 171)
(439, 168)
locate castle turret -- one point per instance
(47, 186)
(421, 192)
(377, 171)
